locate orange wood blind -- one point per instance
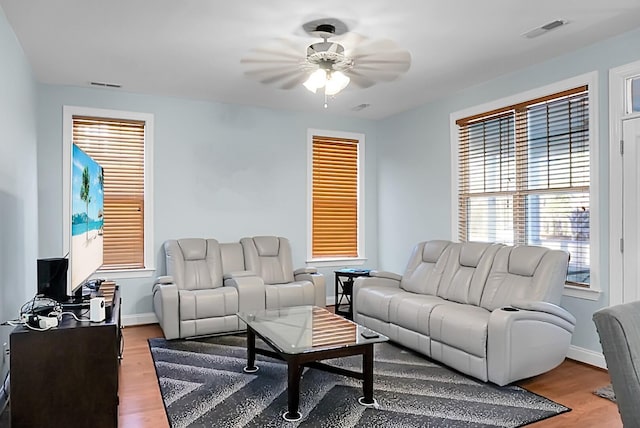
(335, 197)
(524, 176)
(118, 146)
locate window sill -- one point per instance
(336, 262)
(125, 274)
(581, 292)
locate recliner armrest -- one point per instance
(239, 274)
(166, 279)
(385, 274)
(165, 305)
(317, 279)
(250, 287)
(549, 308)
(308, 269)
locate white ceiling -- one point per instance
(192, 48)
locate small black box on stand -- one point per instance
(52, 278)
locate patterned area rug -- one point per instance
(203, 385)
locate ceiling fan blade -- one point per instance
(350, 40)
(270, 61)
(278, 54)
(261, 73)
(287, 75)
(296, 81)
(373, 47)
(358, 79)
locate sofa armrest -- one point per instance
(319, 286)
(524, 343)
(166, 279)
(546, 307)
(250, 288)
(166, 303)
(239, 274)
(308, 269)
(385, 274)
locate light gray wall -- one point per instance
(221, 171)
(414, 162)
(18, 181)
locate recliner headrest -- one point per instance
(471, 253)
(525, 259)
(267, 246)
(193, 248)
(433, 250)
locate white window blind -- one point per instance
(334, 197)
(118, 146)
(524, 174)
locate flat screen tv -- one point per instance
(87, 219)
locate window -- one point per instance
(633, 94)
(524, 176)
(121, 143)
(335, 195)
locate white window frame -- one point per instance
(590, 79)
(67, 138)
(342, 261)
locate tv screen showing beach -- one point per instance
(87, 217)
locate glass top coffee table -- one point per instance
(302, 336)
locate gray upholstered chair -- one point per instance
(205, 286)
(270, 258)
(619, 330)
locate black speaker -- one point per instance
(52, 278)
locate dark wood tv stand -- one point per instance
(67, 376)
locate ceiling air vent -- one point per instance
(105, 85)
(545, 28)
(360, 107)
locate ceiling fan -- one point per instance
(329, 66)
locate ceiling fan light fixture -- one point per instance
(316, 81)
(336, 81)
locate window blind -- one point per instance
(118, 146)
(524, 175)
(335, 197)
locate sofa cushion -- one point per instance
(525, 259)
(194, 263)
(466, 271)
(525, 273)
(214, 302)
(269, 257)
(425, 267)
(412, 311)
(374, 301)
(460, 326)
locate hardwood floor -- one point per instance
(571, 384)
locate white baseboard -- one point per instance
(331, 300)
(587, 356)
(139, 319)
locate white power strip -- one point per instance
(47, 322)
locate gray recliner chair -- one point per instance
(270, 258)
(619, 330)
(205, 286)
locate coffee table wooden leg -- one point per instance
(251, 352)
(367, 382)
(293, 392)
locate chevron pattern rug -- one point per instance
(203, 385)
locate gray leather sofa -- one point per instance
(488, 310)
(208, 282)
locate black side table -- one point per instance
(344, 289)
